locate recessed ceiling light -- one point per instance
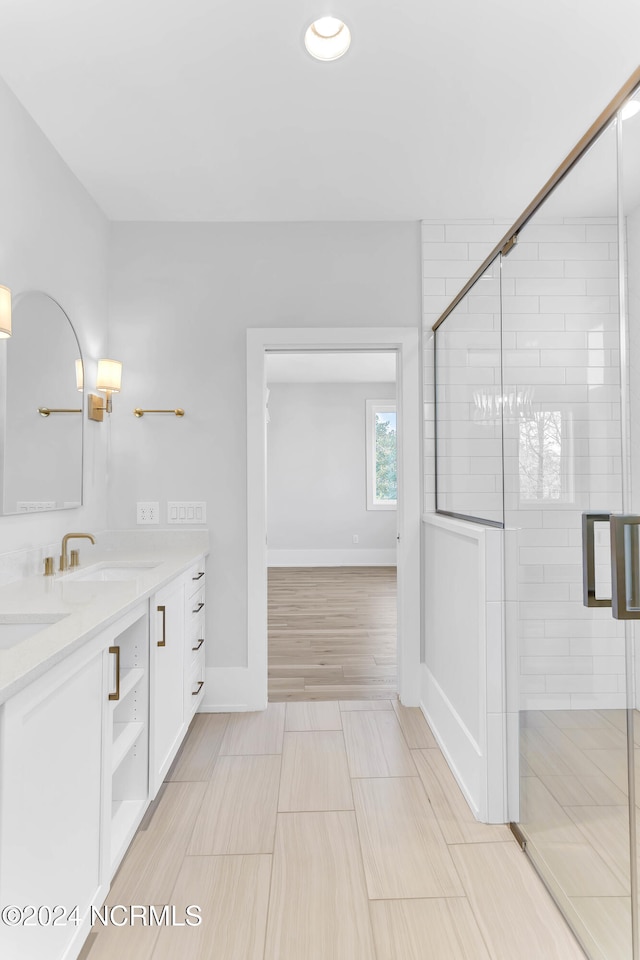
(327, 38)
(630, 109)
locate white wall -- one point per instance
(316, 476)
(54, 238)
(181, 299)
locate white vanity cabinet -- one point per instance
(194, 650)
(51, 791)
(177, 667)
(126, 734)
(84, 748)
(167, 671)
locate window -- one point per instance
(382, 469)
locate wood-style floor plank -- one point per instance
(542, 817)
(416, 929)
(233, 893)
(575, 791)
(414, 726)
(315, 774)
(350, 705)
(150, 868)
(197, 757)
(515, 913)
(313, 715)
(250, 734)
(579, 870)
(332, 633)
(608, 924)
(375, 745)
(404, 853)
(318, 907)
(452, 811)
(133, 942)
(238, 813)
(606, 829)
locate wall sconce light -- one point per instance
(79, 375)
(5, 312)
(108, 381)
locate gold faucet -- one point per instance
(64, 560)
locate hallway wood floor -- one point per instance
(332, 633)
(327, 831)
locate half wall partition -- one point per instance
(537, 396)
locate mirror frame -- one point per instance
(17, 298)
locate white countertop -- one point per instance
(87, 607)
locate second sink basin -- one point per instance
(108, 571)
(13, 632)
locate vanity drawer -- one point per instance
(194, 580)
(195, 604)
(195, 638)
(194, 689)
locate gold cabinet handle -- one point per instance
(199, 607)
(201, 574)
(200, 642)
(116, 694)
(194, 693)
(163, 611)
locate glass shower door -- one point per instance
(569, 665)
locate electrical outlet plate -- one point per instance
(36, 506)
(186, 511)
(148, 511)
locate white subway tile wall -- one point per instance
(561, 441)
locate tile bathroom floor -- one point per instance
(329, 830)
(575, 814)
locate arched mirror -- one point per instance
(41, 409)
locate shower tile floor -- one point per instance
(574, 813)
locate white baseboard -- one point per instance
(455, 740)
(233, 690)
(332, 558)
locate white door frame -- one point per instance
(405, 341)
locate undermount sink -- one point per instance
(15, 631)
(111, 572)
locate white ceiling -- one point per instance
(346, 367)
(213, 110)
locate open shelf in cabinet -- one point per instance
(129, 736)
(130, 679)
(124, 736)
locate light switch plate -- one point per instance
(186, 511)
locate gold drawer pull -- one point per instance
(201, 574)
(200, 642)
(199, 607)
(163, 642)
(116, 694)
(194, 693)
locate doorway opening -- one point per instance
(332, 502)
(404, 342)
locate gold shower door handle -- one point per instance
(589, 558)
(625, 567)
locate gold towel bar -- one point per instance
(45, 411)
(179, 412)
